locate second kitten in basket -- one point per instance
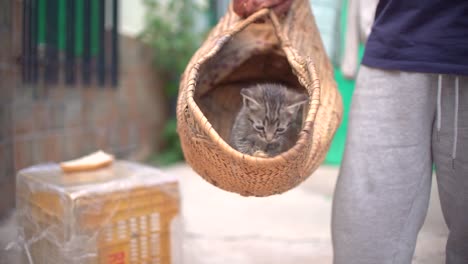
(268, 122)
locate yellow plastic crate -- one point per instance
(125, 213)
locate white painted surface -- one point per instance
(132, 13)
(132, 17)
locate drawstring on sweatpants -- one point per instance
(455, 123)
(439, 116)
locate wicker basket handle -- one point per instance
(259, 14)
(250, 19)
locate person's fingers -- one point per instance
(245, 8)
(282, 7)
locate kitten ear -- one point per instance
(248, 99)
(297, 101)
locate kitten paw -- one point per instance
(260, 154)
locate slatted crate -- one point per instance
(125, 213)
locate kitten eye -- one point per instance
(259, 127)
(280, 130)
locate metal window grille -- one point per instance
(76, 39)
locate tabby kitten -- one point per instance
(268, 122)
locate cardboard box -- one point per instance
(124, 213)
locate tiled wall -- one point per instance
(43, 123)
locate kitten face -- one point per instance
(271, 109)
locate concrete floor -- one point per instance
(292, 228)
(222, 227)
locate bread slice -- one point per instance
(93, 161)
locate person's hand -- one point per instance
(245, 8)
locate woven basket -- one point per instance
(239, 52)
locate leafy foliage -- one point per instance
(170, 29)
(173, 151)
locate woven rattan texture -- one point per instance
(235, 52)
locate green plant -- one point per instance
(171, 31)
(173, 151)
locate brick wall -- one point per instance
(44, 123)
(8, 81)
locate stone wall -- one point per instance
(44, 123)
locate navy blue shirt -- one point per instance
(420, 36)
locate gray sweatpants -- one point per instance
(396, 132)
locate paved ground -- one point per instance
(293, 228)
(222, 227)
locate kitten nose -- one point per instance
(269, 137)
